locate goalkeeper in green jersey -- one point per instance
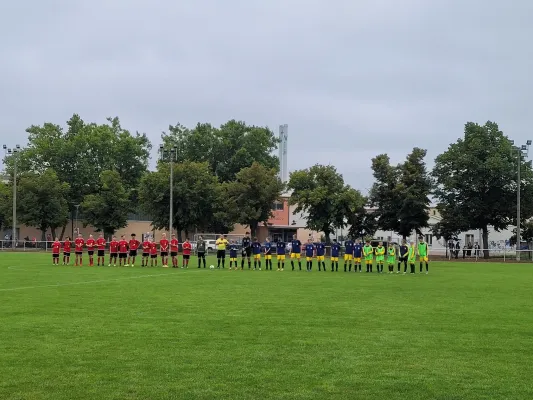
(380, 257)
(368, 253)
(423, 254)
(412, 257)
(391, 257)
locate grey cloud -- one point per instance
(352, 79)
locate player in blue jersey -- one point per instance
(348, 254)
(296, 248)
(335, 251)
(246, 250)
(256, 251)
(321, 254)
(268, 254)
(232, 255)
(309, 253)
(357, 255)
(280, 255)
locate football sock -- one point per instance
(300, 265)
(427, 267)
(292, 265)
(223, 262)
(420, 267)
(218, 263)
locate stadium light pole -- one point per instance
(520, 151)
(14, 152)
(170, 156)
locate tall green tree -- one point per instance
(476, 180)
(252, 193)
(5, 206)
(362, 223)
(195, 191)
(42, 201)
(526, 233)
(81, 152)
(401, 193)
(319, 192)
(227, 149)
(108, 209)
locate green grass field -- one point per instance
(465, 331)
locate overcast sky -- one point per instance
(351, 78)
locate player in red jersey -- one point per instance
(187, 247)
(153, 253)
(163, 247)
(122, 251)
(113, 251)
(66, 251)
(100, 243)
(78, 248)
(134, 245)
(91, 244)
(146, 252)
(174, 251)
(55, 251)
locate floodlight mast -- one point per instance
(171, 156)
(14, 152)
(520, 151)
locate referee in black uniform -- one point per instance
(403, 255)
(246, 250)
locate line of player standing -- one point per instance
(122, 250)
(355, 253)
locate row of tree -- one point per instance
(227, 175)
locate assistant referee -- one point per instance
(221, 244)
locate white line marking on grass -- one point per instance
(83, 282)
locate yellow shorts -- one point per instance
(280, 257)
(268, 257)
(424, 259)
(320, 258)
(295, 255)
(233, 259)
(357, 260)
(257, 256)
(334, 258)
(369, 261)
(348, 257)
(309, 259)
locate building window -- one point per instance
(277, 206)
(428, 238)
(469, 239)
(434, 212)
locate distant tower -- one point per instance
(283, 136)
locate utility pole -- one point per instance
(170, 156)
(14, 242)
(520, 151)
(14, 152)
